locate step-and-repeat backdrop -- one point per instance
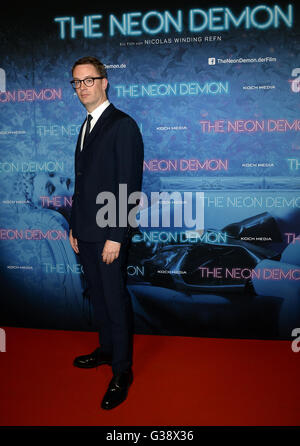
(215, 93)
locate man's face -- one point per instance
(90, 97)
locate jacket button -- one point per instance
(79, 173)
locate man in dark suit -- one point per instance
(109, 153)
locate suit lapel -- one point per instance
(97, 127)
(78, 145)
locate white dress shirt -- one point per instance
(96, 115)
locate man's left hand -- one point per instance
(110, 251)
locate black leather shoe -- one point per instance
(93, 360)
(117, 390)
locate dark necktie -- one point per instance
(87, 130)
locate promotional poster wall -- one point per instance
(214, 90)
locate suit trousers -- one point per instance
(111, 302)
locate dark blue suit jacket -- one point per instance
(113, 155)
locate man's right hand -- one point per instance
(73, 242)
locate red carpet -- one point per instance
(178, 382)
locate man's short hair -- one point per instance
(91, 61)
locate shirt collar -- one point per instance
(98, 112)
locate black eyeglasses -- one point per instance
(88, 82)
